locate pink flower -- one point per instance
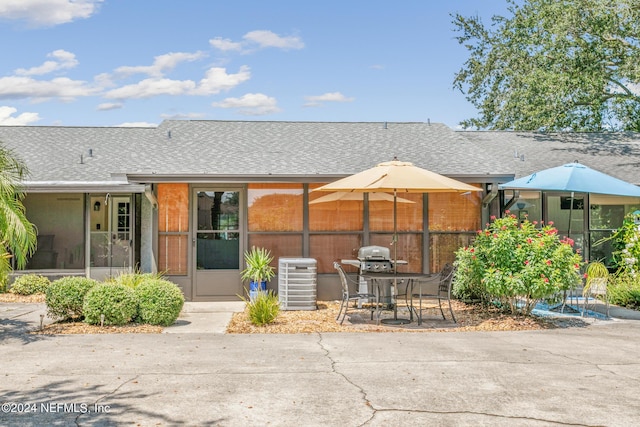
(507, 211)
(492, 217)
(472, 250)
(535, 222)
(550, 223)
(504, 227)
(548, 262)
(526, 262)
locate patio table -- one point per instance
(411, 280)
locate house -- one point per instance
(189, 197)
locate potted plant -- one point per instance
(258, 270)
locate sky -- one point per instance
(139, 62)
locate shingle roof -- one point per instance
(522, 153)
(304, 149)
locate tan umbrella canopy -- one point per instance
(397, 177)
(344, 195)
(400, 177)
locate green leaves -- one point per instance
(516, 264)
(553, 66)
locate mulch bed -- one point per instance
(470, 317)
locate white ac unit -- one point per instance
(297, 283)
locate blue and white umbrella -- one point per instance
(573, 177)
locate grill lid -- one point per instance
(374, 253)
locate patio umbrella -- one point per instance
(573, 178)
(397, 177)
(343, 195)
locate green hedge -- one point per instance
(65, 297)
(159, 301)
(115, 301)
(30, 284)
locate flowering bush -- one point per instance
(626, 241)
(516, 265)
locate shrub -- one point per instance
(65, 297)
(626, 241)
(132, 280)
(516, 265)
(115, 301)
(159, 301)
(263, 308)
(30, 284)
(623, 289)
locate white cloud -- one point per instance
(6, 118)
(61, 60)
(161, 64)
(314, 101)
(266, 39)
(251, 104)
(137, 125)
(26, 87)
(44, 13)
(151, 87)
(109, 106)
(225, 44)
(217, 80)
(377, 67)
(259, 39)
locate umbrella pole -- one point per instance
(394, 243)
(564, 293)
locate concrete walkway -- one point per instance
(583, 376)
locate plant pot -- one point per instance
(254, 288)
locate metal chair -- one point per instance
(348, 295)
(597, 288)
(445, 281)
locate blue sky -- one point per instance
(139, 62)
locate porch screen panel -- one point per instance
(409, 214)
(340, 215)
(409, 249)
(443, 246)
(454, 211)
(173, 227)
(326, 248)
(59, 219)
(275, 207)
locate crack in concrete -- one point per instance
(111, 393)
(376, 411)
(508, 417)
(362, 391)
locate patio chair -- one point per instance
(444, 281)
(349, 295)
(597, 289)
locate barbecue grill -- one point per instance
(375, 259)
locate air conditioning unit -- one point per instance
(297, 283)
